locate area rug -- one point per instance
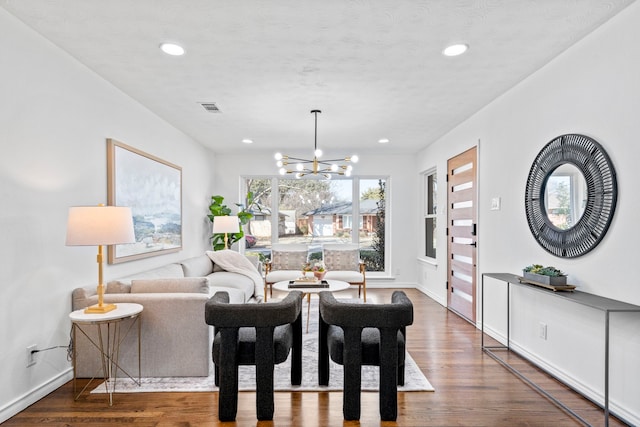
(414, 378)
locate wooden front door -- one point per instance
(462, 233)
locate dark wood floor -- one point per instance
(472, 389)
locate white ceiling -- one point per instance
(373, 67)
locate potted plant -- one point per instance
(218, 208)
(319, 270)
(545, 275)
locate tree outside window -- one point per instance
(315, 212)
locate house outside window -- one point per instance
(315, 212)
(347, 222)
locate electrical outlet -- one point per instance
(542, 330)
(31, 356)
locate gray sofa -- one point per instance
(175, 340)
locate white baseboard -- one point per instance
(584, 389)
(594, 394)
(389, 285)
(436, 298)
(35, 394)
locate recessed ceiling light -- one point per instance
(383, 140)
(455, 49)
(172, 49)
(247, 141)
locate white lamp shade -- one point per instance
(99, 225)
(226, 224)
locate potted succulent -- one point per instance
(545, 275)
(319, 270)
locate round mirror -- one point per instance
(565, 196)
(571, 195)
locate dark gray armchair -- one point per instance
(365, 334)
(253, 334)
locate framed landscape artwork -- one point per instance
(152, 188)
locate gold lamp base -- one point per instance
(100, 309)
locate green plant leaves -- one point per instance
(218, 208)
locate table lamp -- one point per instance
(225, 224)
(97, 226)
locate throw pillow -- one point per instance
(186, 285)
(288, 260)
(345, 260)
(118, 287)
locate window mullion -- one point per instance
(355, 211)
(275, 214)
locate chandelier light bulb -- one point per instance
(355, 158)
(334, 167)
(279, 163)
(348, 168)
(278, 156)
(347, 172)
(298, 175)
(283, 171)
(299, 167)
(318, 152)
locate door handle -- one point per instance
(473, 229)
(474, 244)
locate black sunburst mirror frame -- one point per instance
(602, 192)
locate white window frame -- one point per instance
(429, 212)
(355, 210)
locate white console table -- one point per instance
(605, 305)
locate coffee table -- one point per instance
(334, 286)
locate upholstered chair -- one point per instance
(253, 334)
(343, 262)
(285, 264)
(355, 334)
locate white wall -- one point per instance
(593, 89)
(55, 118)
(401, 206)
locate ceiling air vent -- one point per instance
(210, 107)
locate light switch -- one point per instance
(495, 204)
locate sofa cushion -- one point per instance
(233, 262)
(81, 296)
(164, 272)
(184, 285)
(345, 276)
(118, 287)
(200, 266)
(226, 279)
(280, 275)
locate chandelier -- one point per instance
(326, 168)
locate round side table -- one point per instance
(108, 341)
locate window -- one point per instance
(347, 221)
(430, 211)
(314, 212)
